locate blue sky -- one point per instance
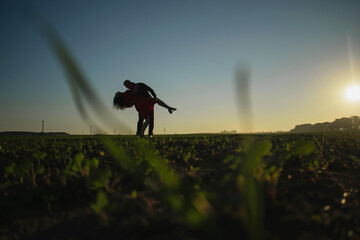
(187, 51)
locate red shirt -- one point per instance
(144, 105)
(130, 98)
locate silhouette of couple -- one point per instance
(144, 99)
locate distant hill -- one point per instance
(22, 133)
(342, 124)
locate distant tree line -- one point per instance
(227, 132)
(342, 124)
(23, 133)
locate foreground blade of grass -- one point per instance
(243, 93)
(160, 166)
(77, 81)
(122, 158)
(254, 152)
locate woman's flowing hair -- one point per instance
(119, 101)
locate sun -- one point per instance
(352, 93)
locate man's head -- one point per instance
(129, 84)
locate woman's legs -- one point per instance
(139, 125)
(161, 103)
(144, 126)
(151, 123)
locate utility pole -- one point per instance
(114, 131)
(90, 130)
(164, 131)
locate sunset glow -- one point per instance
(352, 93)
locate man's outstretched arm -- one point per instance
(150, 90)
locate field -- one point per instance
(266, 186)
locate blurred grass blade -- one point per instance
(122, 158)
(303, 148)
(79, 104)
(160, 166)
(254, 152)
(78, 84)
(242, 88)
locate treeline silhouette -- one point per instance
(342, 124)
(23, 133)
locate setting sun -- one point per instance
(352, 93)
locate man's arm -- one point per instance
(149, 89)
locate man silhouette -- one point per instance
(146, 91)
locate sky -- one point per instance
(301, 56)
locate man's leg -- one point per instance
(151, 123)
(139, 125)
(146, 123)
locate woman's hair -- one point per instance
(119, 101)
